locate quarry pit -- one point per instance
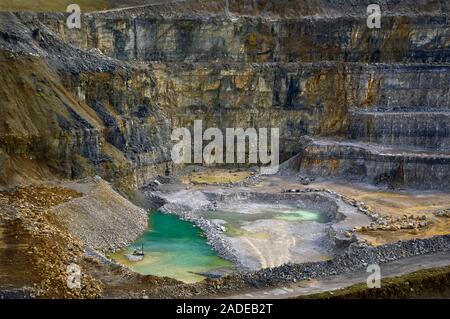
(86, 173)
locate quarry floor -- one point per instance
(33, 237)
(384, 202)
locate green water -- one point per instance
(287, 214)
(173, 248)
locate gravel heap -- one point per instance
(102, 218)
(397, 223)
(50, 248)
(442, 213)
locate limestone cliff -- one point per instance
(103, 99)
(74, 112)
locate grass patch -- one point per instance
(234, 231)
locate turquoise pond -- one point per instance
(178, 249)
(173, 248)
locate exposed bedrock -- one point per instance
(75, 112)
(300, 98)
(136, 130)
(375, 164)
(165, 34)
(80, 125)
(322, 93)
(103, 99)
(421, 129)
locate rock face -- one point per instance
(423, 129)
(375, 163)
(268, 31)
(101, 218)
(374, 101)
(77, 113)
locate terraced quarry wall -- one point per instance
(255, 39)
(311, 68)
(51, 125)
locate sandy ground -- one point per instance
(282, 243)
(211, 177)
(102, 218)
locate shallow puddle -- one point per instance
(280, 213)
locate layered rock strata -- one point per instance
(119, 84)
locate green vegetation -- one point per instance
(234, 231)
(52, 5)
(216, 176)
(428, 283)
